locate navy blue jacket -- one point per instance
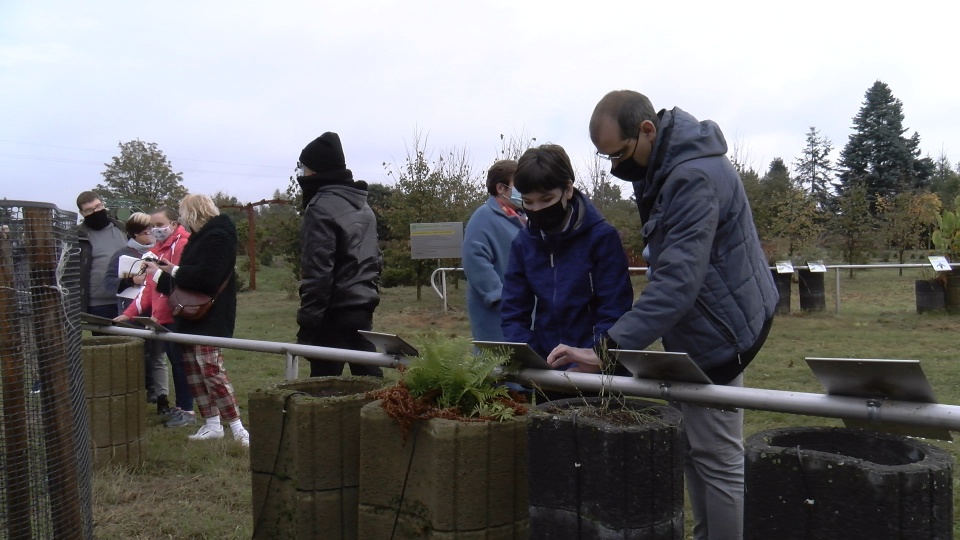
(567, 288)
(710, 288)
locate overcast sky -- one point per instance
(232, 91)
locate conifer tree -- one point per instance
(877, 154)
(814, 170)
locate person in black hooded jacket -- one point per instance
(340, 259)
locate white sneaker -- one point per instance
(242, 436)
(207, 433)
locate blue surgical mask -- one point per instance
(515, 197)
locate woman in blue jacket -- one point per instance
(567, 281)
(486, 249)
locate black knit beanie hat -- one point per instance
(324, 156)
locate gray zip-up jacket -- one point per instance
(710, 288)
(340, 260)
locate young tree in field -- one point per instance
(379, 198)
(767, 196)
(814, 171)
(878, 155)
(945, 181)
(783, 212)
(426, 191)
(905, 217)
(854, 225)
(142, 173)
(795, 218)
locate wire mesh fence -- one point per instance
(45, 465)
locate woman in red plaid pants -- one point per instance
(207, 266)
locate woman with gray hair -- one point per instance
(140, 240)
(207, 266)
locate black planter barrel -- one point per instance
(812, 297)
(590, 478)
(783, 282)
(931, 295)
(953, 293)
(827, 483)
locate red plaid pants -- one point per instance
(209, 383)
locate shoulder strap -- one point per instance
(223, 285)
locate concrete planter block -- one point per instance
(115, 400)
(590, 478)
(448, 479)
(304, 456)
(846, 483)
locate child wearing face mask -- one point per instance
(567, 280)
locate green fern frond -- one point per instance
(448, 368)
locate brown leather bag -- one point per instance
(192, 305)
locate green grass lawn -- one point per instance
(202, 489)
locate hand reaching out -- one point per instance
(582, 360)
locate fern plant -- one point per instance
(450, 376)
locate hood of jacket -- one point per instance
(680, 138)
(313, 184)
(353, 194)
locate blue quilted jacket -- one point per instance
(710, 287)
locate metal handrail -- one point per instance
(930, 415)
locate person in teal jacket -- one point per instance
(486, 249)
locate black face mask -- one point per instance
(629, 170)
(549, 218)
(97, 220)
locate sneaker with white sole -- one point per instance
(242, 436)
(207, 432)
(181, 418)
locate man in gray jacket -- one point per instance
(710, 292)
(340, 260)
(100, 236)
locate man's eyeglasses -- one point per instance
(621, 153)
(611, 157)
(86, 212)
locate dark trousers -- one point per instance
(180, 386)
(339, 331)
